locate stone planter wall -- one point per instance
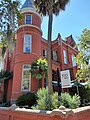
(15, 113)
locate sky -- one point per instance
(73, 20)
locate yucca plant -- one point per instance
(45, 101)
(69, 101)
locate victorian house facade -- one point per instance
(31, 46)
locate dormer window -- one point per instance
(28, 19)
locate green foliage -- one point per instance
(68, 101)
(46, 101)
(85, 92)
(39, 68)
(84, 39)
(83, 57)
(83, 72)
(87, 89)
(46, 7)
(9, 15)
(75, 102)
(26, 99)
(55, 102)
(5, 75)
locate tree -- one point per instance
(39, 69)
(9, 14)
(50, 7)
(83, 57)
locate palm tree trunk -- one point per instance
(50, 54)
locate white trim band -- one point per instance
(32, 10)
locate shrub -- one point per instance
(46, 101)
(84, 92)
(65, 98)
(26, 99)
(69, 101)
(55, 102)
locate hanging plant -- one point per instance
(39, 68)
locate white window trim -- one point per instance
(22, 79)
(30, 44)
(65, 57)
(25, 19)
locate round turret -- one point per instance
(28, 49)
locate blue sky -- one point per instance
(73, 20)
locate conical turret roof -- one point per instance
(28, 4)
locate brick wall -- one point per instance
(15, 113)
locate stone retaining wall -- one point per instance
(15, 113)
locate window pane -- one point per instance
(73, 60)
(44, 53)
(65, 56)
(26, 77)
(27, 66)
(27, 43)
(55, 55)
(28, 19)
(27, 48)
(25, 85)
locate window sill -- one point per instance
(65, 63)
(26, 52)
(23, 91)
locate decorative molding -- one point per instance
(29, 25)
(32, 10)
(54, 42)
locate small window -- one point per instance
(44, 53)
(65, 56)
(26, 77)
(73, 60)
(27, 44)
(55, 55)
(28, 19)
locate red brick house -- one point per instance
(30, 46)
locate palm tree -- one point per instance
(50, 7)
(9, 13)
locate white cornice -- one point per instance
(32, 10)
(29, 25)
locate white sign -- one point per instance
(65, 79)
